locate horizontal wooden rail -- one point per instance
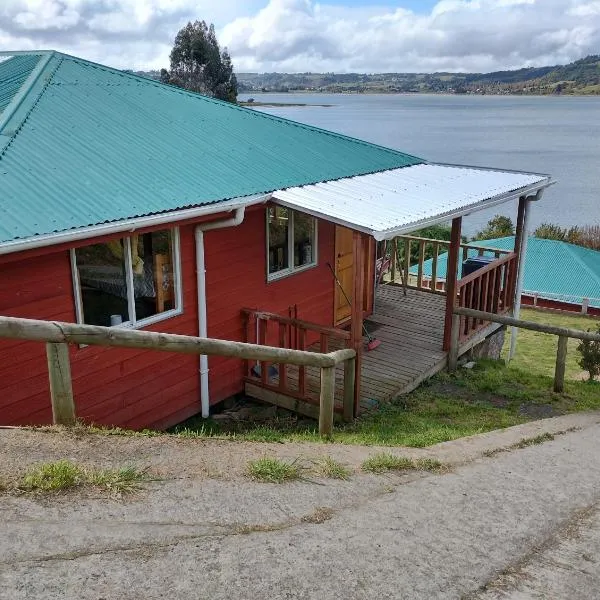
(563, 333)
(483, 270)
(321, 329)
(95, 335)
(58, 335)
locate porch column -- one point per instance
(356, 326)
(520, 251)
(451, 278)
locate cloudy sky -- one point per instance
(305, 35)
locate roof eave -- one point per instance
(129, 225)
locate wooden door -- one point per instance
(344, 269)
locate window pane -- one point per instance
(103, 284)
(278, 226)
(153, 279)
(304, 239)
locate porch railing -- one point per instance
(490, 289)
(402, 248)
(266, 328)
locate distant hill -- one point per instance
(579, 77)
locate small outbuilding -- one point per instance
(128, 203)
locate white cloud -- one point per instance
(306, 35)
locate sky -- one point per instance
(306, 35)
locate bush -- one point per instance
(590, 356)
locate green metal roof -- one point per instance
(553, 269)
(90, 144)
(13, 73)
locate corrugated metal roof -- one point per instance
(92, 145)
(553, 269)
(14, 71)
(401, 200)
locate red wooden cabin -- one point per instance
(151, 207)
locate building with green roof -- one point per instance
(129, 203)
(554, 270)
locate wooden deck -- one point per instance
(410, 329)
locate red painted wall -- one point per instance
(124, 387)
(138, 389)
(236, 277)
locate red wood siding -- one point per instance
(124, 387)
(137, 389)
(236, 278)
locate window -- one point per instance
(133, 280)
(291, 241)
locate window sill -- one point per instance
(169, 314)
(272, 277)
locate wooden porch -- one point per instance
(411, 331)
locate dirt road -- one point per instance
(522, 523)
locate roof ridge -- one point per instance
(232, 106)
(28, 89)
(572, 251)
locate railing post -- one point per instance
(454, 342)
(61, 389)
(349, 373)
(394, 258)
(326, 401)
(451, 277)
(561, 358)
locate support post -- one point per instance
(394, 258)
(356, 328)
(451, 278)
(561, 359)
(454, 342)
(349, 374)
(61, 389)
(521, 252)
(326, 401)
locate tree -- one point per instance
(497, 227)
(197, 63)
(549, 231)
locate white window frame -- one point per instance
(292, 270)
(135, 323)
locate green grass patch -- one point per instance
(273, 470)
(534, 441)
(537, 351)
(65, 475)
(384, 462)
(329, 467)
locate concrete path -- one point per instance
(518, 524)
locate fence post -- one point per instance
(561, 357)
(326, 401)
(349, 366)
(585, 303)
(61, 389)
(454, 341)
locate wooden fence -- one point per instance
(563, 334)
(58, 335)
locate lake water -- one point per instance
(555, 135)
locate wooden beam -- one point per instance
(356, 326)
(451, 277)
(561, 358)
(61, 388)
(349, 384)
(94, 335)
(454, 343)
(326, 401)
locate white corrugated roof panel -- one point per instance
(398, 201)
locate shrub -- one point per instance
(590, 355)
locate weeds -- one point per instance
(273, 470)
(329, 467)
(384, 462)
(64, 475)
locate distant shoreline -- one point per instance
(381, 93)
(279, 104)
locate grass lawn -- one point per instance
(490, 396)
(536, 352)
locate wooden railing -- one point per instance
(432, 248)
(563, 334)
(490, 289)
(272, 329)
(57, 336)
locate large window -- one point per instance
(134, 280)
(291, 241)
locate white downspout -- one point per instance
(521, 273)
(237, 219)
